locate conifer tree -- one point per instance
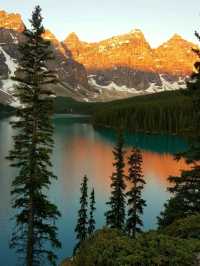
(91, 222)
(81, 229)
(193, 89)
(115, 216)
(135, 201)
(35, 231)
(186, 187)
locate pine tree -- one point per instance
(193, 89)
(81, 229)
(186, 197)
(115, 216)
(91, 226)
(134, 195)
(35, 231)
(173, 210)
(186, 187)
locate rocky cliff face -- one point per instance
(118, 67)
(175, 57)
(72, 75)
(128, 64)
(11, 21)
(131, 50)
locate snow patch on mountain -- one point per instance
(8, 85)
(15, 40)
(112, 86)
(168, 86)
(12, 66)
(153, 87)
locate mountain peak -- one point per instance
(48, 35)
(72, 37)
(11, 21)
(176, 37)
(136, 31)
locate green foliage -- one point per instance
(166, 112)
(35, 231)
(134, 195)
(91, 222)
(186, 228)
(193, 91)
(115, 216)
(186, 191)
(173, 209)
(111, 248)
(81, 227)
(185, 202)
(186, 187)
(193, 86)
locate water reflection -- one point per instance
(79, 150)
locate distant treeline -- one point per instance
(166, 112)
(66, 105)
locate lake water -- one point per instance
(79, 150)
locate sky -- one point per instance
(95, 20)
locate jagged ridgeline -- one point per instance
(118, 67)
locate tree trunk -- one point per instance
(30, 241)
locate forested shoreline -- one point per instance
(121, 242)
(166, 112)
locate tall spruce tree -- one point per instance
(135, 201)
(115, 216)
(193, 90)
(81, 229)
(186, 187)
(91, 222)
(35, 231)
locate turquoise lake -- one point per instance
(79, 150)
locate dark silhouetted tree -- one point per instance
(35, 230)
(135, 201)
(81, 229)
(115, 216)
(186, 187)
(91, 222)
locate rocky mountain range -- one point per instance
(118, 67)
(128, 63)
(72, 75)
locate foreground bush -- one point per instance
(111, 248)
(186, 228)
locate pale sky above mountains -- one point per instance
(94, 20)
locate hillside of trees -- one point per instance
(165, 112)
(110, 247)
(168, 112)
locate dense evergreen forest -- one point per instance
(165, 112)
(176, 245)
(168, 112)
